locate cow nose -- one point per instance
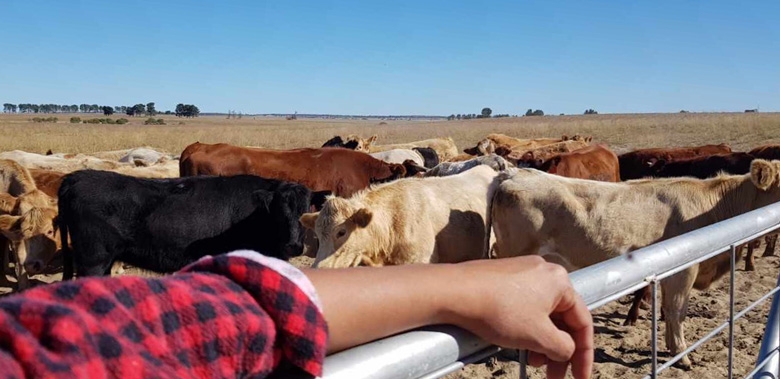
(33, 267)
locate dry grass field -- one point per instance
(622, 351)
(621, 132)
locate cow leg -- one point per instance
(750, 264)
(633, 312)
(771, 240)
(676, 291)
(20, 254)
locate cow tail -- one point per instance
(67, 254)
(491, 195)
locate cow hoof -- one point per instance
(629, 322)
(750, 268)
(683, 364)
(768, 254)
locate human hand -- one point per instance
(525, 303)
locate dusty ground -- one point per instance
(621, 351)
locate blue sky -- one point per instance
(399, 57)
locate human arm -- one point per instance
(515, 303)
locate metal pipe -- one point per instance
(417, 353)
(654, 332)
(732, 283)
(771, 342)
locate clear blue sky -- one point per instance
(394, 57)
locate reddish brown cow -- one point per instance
(768, 152)
(47, 181)
(704, 167)
(341, 171)
(639, 163)
(594, 162)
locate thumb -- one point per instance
(556, 344)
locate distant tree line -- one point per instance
(148, 109)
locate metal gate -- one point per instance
(436, 351)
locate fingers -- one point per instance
(554, 343)
(578, 321)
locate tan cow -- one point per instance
(544, 152)
(578, 223)
(165, 168)
(27, 223)
(431, 220)
(494, 141)
(445, 147)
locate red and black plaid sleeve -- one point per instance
(226, 316)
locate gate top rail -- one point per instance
(417, 353)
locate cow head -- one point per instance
(285, 206)
(484, 147)
(765, 175)
(31, 229)
(413, 169)
(344, 231)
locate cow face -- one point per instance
(285, 206)
(343, 234)
(765, 175)
(34, 237)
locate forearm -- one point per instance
(365, 304)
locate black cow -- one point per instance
(165, 224)
(337, 141)
(430, 157)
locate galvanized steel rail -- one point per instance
(437, 351)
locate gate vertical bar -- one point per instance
(522, 356)
(732, 284)
(654, 332)
(771, 341)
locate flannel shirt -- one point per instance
(234, 315)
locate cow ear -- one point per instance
(362, 217)
(11, 227)
(7, 203)
(309, 220)
(318, 199)
(370, 141)
(398, 170)
(262, 198)
(564, 138)
(763, 174)
(471, 151)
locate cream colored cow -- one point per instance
(578, 223)
(411, 220)
(444, 147)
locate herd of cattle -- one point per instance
(353, 203)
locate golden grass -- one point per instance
(620, 132)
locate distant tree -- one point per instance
(35, 108)
(83, 108)
(107, 111)
(168, 112)
(94, 108)
(139, 109)
(532, 112)
(486, 112)
(457, 117)
(8, 108)
(130, 111)
(117, 109)
(150, 111)
(591, 111)
(529, 112)
(450, 117)
(187, 110)
(123, 109)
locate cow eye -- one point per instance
(341, 233)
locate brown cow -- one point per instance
(639, 164)
(594, 162)
(766, 152)
(493, 142)
(543, 152)
(341, 171)
(47, 181)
